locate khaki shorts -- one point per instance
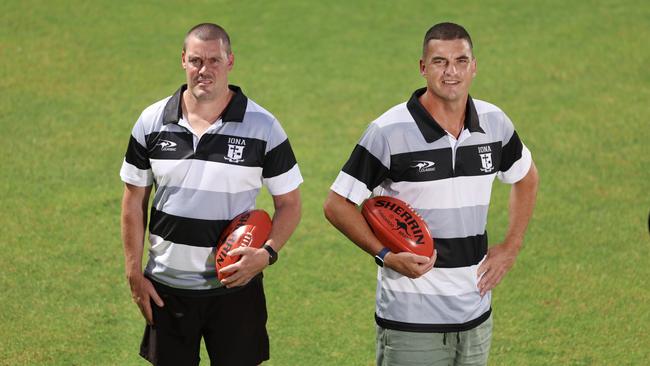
(398, 348)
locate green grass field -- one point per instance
(573, 76)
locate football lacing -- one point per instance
(414, 211)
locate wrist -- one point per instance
(134, 275)
(380, 257)
(271, 253)
(513, 244)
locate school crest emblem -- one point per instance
(486, 162)
(235, 150)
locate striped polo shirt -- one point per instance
(201, 184)
(406, 154)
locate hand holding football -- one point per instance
(249, 229)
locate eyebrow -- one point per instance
(441, 58)
(197, 57)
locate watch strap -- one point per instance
(273, 255)
(379, 258)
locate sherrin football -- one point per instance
(249, 229)
(397, 225)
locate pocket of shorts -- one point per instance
(176, 314)
(399, 357)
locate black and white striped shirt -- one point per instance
(406, 154)
(202, 183)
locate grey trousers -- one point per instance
(398, 348)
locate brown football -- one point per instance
(249, 229)
(397, 225)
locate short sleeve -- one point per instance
(366, 168)
(280, 171)
(515, 156)
(136, 168)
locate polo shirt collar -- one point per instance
(428, 126)
(234, 111)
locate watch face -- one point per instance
(379, 261)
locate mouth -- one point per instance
(451, 82)
(202, 81)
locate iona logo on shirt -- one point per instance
(485, 152)
(235, 150)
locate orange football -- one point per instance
(249, 229)
(397, 225)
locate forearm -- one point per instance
(285, 218)
(345, 216)
(522, 202)
(133, 239)
(134, 222)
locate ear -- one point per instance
(422, 67)
(473, 67)
(183, 60)
(231, 61)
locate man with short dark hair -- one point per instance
(208, 149)
(440, 152)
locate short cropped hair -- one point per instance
(446, 32)
(208, 32)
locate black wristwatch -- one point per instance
(379, 258)
(273, 255)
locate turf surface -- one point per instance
(572, 76)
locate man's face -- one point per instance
(448, 67)
(206, 65)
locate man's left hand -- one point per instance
(252, 262)
(500, 258)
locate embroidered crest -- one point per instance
(486, 162)
(235, 150)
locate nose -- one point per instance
(451, 69)
(203, 69)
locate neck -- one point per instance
(208, 110)
(450, 115)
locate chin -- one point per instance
(199, 91)
(452, 97)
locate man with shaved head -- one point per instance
(209, 32)
(440, 152)
(208, 150)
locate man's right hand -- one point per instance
(409, 264)
(142, 291)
